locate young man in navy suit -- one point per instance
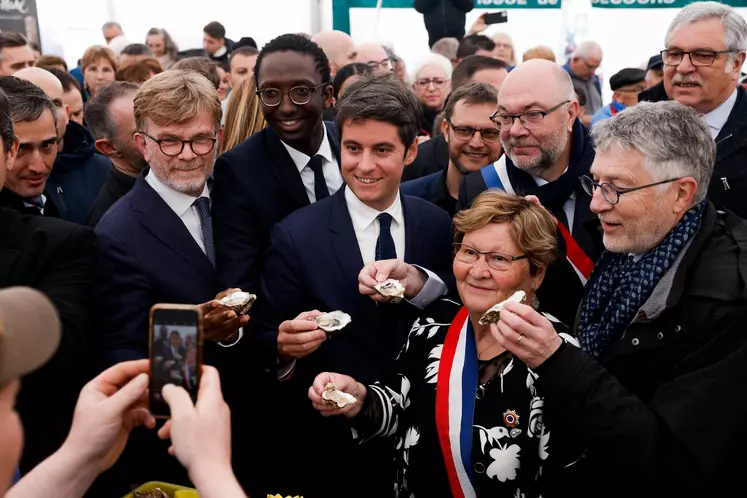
(288, 165)
(328, 256)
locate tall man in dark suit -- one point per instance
(314, 263)
(288, 165)
(57, 258)
(547, 150)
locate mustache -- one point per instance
(686, 78)
(520, 142)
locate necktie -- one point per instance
(320, 184)
(206, 222)
(385, 244)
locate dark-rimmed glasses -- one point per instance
(530, 119)
(299, 95)
(438, 83)
(610, 192)
(172, 147)
(385, 64)
(699, 58)
(495, 260)
(487, 135)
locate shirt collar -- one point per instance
(363, 215)
(220, 52)
(179, 202)
(716, 119)
(541, 181)
(301, 160)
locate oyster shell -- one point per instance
(335, 397)
(240, 302)
(494, 313)
(391, 289)
(332, 321)
(153, 493)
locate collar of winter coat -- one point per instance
(79, 147)
(595, 78)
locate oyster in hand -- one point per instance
(153, 493)
(335, 397)
(494, 313)
(332, 321)
(391, 289)
(240, 302)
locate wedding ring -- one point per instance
(521, 336)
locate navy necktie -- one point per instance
(320, 184)
(385, 244)
(206, 222)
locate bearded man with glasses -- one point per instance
(705, 51)
(547, 150)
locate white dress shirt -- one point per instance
(716, 119)
(330, 167)
(570, 205)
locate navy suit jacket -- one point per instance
(257, 184)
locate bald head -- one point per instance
(338, 46)
(372, 53)
(52, 86)
(533, 78)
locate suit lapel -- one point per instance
(161, 221)
(345, 243)
(285, 169)
(9, 254)
(413, 243)
(584, 224)
(731, 137)
(334, 142)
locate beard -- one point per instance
(551, 149)
(171, 173)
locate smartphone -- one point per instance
(175, 341)
(496, 17)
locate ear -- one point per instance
(141, 145)
(538, 279)
(328, 96)
(572, 114)
(686, 189)
(738, 63)
(445, 129)
(106, 147)
(411, 153)
(12, 153)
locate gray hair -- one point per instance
(587, 49)
(434, 60)
(108, 25)
(674, 140)
(27, 101)
(98, 117)
(447, 47)
(734, 24)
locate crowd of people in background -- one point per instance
(312, 169)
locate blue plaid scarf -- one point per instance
(620, 286)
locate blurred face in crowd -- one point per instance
(98, 74)
(373, 158)
(279, 74)
(654, 77)
(210, 44)
(13, 59)
(242, 67)
(375, 56)
(640, 219)
(493, 77)
(432, 86)
(400, 70)
(702, 87)
(49, 83)
(224, 84)
(36, 154)
(186, 171)
(504, 49)
(585, 67)
(122, 115)
(74, 102)
(471, 153)
(628, 94)
(339, 48)
(157, 44)
(11, 434)
(111, 33)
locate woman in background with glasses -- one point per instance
(431, 85)
(467, 418)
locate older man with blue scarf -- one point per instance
(656, 393)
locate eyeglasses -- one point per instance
(385, 64)
(488, 135)
(610, 192)
(699, 58)
(591, 68)
(495, 260)
(299, 95)
(530, 120)
(438, 83)
(172, 147)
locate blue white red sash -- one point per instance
(455, 403)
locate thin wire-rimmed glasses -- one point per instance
(495, 260)
(610, 192)
(438, 83)
(172, 147)
(530, 120)
(700, 58)
(488, 135)
(299, 95)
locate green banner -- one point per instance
(655, 4)
(341, 8)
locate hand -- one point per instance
(200, 433)
(299, 337)
(343, 383)
(220, 323)
(108, 408)
(378, 271)
(478, 26)
(527, 334)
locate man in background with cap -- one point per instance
(654, 71)
(626, 85)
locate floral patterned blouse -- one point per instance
(511, 446)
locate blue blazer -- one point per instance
(146, 256)
(256, 185)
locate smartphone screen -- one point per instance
(175, 352)
(496, 17)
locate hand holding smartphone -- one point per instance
(495, 17)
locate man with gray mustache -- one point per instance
(705, 50)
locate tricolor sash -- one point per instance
(496, 176)
(455, 403)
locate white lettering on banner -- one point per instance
(498, 3)
(632, 2)
(11, 5)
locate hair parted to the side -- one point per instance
(201, 65)
(174, 97)
(381, 98)
(96, 53)
(98, 118)
(299, 44)
(532, 227)
(6, 123)
(466, 69)
(244, 116)
(27, 101)
(11, 40)
(215, 30)
(473, 94)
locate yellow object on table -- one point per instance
(172, 490)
